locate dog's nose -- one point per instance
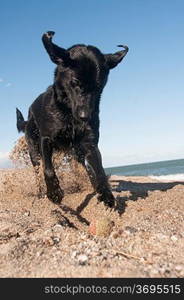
(83, 115)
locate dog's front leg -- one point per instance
(93, 163)
(54, 192)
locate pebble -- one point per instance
(179, 268)
(73, 255)
(57, 229)
(82, 259)
(56, 240)
(130, 229)
(161, 236)
(48, 241)
(174, 238)
(115, 235)
(27, 213)
(57, 226)
(154, 272)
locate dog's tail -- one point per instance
(21, 124)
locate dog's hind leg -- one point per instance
(32, 138)
(35, 159)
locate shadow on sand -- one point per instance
(138, 190)
(74, 212)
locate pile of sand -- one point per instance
(71, 174)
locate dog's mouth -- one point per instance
(82, 115)
(82, 119)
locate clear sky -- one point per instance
(142, 107)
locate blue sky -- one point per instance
(142, 107)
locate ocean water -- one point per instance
(170, 170)
(163, 170)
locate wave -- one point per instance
(170, 177)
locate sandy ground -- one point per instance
(41, 239)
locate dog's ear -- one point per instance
(57, 55)
(112, 60)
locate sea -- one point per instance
(172, 170)
(164, 170)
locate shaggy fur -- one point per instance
(66, 116)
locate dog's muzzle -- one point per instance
(83, 115)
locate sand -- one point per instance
(41, 239)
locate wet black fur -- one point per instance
(66, 115)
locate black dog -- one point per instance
(67, 114)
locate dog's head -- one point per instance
(81, 74)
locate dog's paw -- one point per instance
(107, 198)
(55, 196)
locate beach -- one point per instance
(41, 239)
